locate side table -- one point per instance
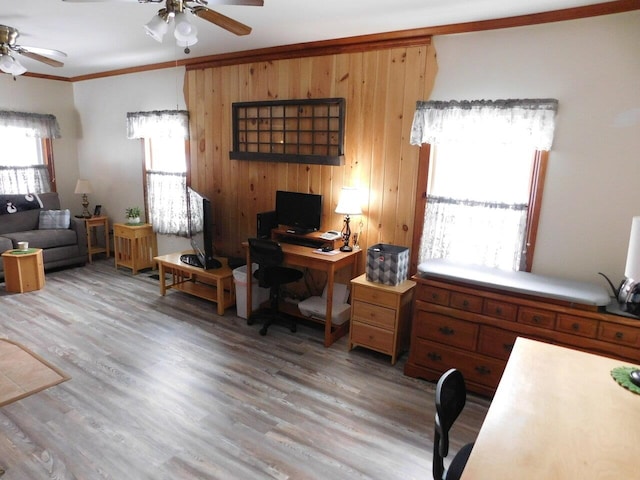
(134, 246)
(95, 222)
(381, 316)
(23, 270)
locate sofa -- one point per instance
(21, 221)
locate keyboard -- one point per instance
(303, 242)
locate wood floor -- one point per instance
(163, 388)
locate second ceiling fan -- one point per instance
(175, 11)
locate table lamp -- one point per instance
(349, 204)
(629, 292)
(84, 187)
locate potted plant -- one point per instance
(133, 215)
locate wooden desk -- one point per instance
(558, 414)
(297, 255)
(215, 285)
(95, 222)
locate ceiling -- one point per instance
(108, 35)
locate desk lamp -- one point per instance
(84, 187)
(349, 204)
(629, 291)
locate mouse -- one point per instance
(327, 248)
(634, 376)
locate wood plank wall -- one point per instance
(381, 88)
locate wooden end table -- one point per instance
(95, 222)
(134, 246)
(23, 270)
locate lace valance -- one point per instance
(523, 122)
(158, 124)
(36, 125)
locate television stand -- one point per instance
(213, 285)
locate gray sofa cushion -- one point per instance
(5, 244)
(23, 221)
(44, 239)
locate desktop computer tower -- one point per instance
(265, 222)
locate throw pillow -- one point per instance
(50, 219)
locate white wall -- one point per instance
(35, 95)
(592, 66)
(113, 163)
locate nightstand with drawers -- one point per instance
(381, 316)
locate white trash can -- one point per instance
(258, 294)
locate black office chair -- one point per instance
(451, 396)
(271, 274)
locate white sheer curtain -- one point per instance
(15, 177)
(31, 179)
(523, 122)
(166, 191)
(490, 233)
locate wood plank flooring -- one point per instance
(163, 388)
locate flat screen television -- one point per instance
(300, 212)
(200, 222)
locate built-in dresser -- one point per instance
(469, 317)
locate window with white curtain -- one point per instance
(26, 165)
(484, 171)
(165, 134)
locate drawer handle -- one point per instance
(498, 311)
(446, 330)
(434, 356)
(435, 296)
(575, 327)
(482, 370)
(465, 303)
(619, 335)
(507, 347)
(536, 319)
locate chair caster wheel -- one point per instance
(249, 322)
(293, 329)
(263, 331)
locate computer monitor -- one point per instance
(301, 212)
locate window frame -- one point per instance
(536, 188)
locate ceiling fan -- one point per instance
(185, 32)
(9, 47)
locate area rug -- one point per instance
(23, 373)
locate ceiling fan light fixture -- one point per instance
(157, 27)
(185, 32)
(8, 64)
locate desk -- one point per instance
(297, 255)
(95, 222)
(558, 414)
(215, 285)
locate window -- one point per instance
(26, 165)
(481, 180)
(165, 135)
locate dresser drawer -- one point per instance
(496, 342)
(433, 294)
(536, 317)
(463, 301)
(475, 368)
(374, 314)
(585, 327)
(448, 330)
(371, 337)
(501, 310)
(376, 295)
(620, 334)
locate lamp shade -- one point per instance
(632, 269)
(156, 28)
(349, 203)
(83, 186)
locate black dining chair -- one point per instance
(271, 274)
(451, 396)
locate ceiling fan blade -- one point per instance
(222, 20)
(41, 51)
(40, 58)
(121, 1)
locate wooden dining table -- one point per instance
(558, 414)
